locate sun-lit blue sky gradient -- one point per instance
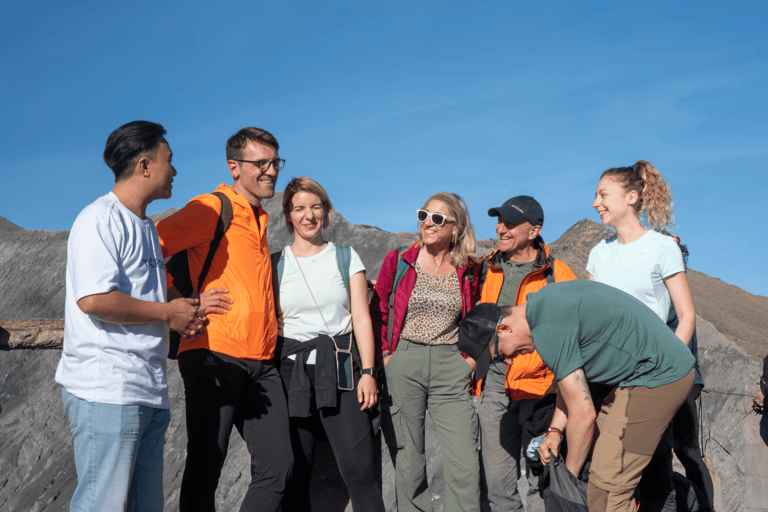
(386, 103)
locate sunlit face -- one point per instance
(612, 202)
(514, 237)
(250, 181)
(432, 234)
(162, 171)
(514, 338)
(307, 215)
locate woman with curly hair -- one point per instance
(645, 262)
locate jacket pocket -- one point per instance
(392, 426)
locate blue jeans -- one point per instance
(118, 455)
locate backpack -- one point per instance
(343, 258)
(178, 267)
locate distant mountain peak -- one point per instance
(6, 225)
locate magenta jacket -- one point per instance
(380, 303)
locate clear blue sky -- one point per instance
(385, 103)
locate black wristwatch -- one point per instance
(372, 371)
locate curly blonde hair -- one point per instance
(463, 247)
(654, 202)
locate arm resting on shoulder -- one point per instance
(677, 284)
(118, 308)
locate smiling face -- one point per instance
(161, 172)
(307, 215)
(431, 234)
(250, 181)
(613, 203)
(515, 238)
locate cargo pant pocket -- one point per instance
(392, 426)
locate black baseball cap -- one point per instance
(519, 209)
(477, 328)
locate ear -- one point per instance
(234, 169)
(632, 197)
(534, 232)
(142, 166)
(503, 328)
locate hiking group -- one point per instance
(524, 370)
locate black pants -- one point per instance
(685, 433)
(221, 391)
(350, 435)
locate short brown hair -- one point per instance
(304, 184)
(237, 143)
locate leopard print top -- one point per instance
(434, 310)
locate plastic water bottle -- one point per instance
(533, 447)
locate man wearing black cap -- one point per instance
(511, 402)
(589, 332)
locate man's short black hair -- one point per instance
(237, 143)
(128, 143)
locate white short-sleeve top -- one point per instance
(639, 267)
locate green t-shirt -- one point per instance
(615, 338)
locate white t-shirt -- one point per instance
(639, 267)
(110, 248)
(300, 319)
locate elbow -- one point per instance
(88, 305)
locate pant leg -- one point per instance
(262, 421)
(212, 388)
(351, 437)
(407, 381)
(146, 491)
(685, 434)
(657, 492)
(631, 423)
(453, 414)
(107, 440)
(303, 431)
(500, 447)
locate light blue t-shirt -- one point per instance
(111, 248)
(615, 338)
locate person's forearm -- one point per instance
(579, 435)
(364, 337)
(559, 417)
(118, 308)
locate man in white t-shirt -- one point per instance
(112, 367)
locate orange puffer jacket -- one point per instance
(527, 376)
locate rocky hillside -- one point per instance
(36, 463)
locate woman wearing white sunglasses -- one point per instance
(425, 371)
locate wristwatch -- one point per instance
(372, 371)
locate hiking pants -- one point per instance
(631, 423)
(434, 378)
(221, 391)
(685, 434)
(350, 435)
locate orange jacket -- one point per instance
(527, 376)
(241, 265)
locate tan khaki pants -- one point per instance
(630, 425)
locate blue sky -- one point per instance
(386, 103)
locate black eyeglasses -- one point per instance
(438, 219)
(263, 165)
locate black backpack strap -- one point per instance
(484, 263)
(225, 217)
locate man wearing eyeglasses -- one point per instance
(511, 398)
(228, 372)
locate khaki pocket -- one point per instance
(392, 425)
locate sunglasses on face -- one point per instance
(438, 219)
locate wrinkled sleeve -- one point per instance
(380, 302)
